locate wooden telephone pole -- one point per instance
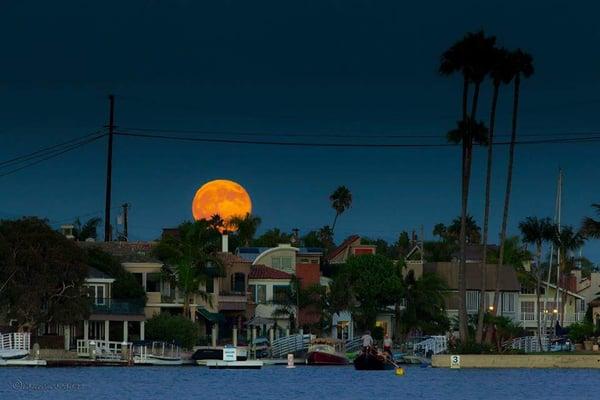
(111, 126)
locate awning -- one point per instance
(260, 321)
(210, 316)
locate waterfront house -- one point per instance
(269, 290)
(351, 246)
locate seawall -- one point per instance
(519, 361)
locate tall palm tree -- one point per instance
(190, 260)
(591, 227)
(521, 64)
(471, 56)
(246, 227)
(537, 231)
(567, 241)
(341, 200)
(500, 72)
(466, 133)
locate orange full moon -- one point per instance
(223, 197)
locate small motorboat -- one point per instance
(373, 360)
(216, 353)
(13, 354)
(326, 352)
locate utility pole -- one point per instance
(111, 125)
(125, 231)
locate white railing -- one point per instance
(570, 318)
(432, 345)
(527, 344)
(353, 344)
(15, 341)
(527, 316)
(104, 349)
(290, 344)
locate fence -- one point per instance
(432, 345)
(290, 344)
(15, 341)
(527, 344)
(104, 349)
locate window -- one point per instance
(281, 294)
(528, 306)
(286, 262)
(472, 300)
(97, 292)
(238, 282)
(260, 296)
(210, 285)
(508, 302)
(153, 282)
(580, 305)
(252, 292)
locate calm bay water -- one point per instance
(277, 382)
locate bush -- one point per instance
(580, 331)
(173, 328)
(378, 333)
(469, 347)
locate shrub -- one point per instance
(468, 347)
(172, 328)
(378, 333)
(580, 331)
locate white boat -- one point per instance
(13, 354)
(159, 353)
(220, 364)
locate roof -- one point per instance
(474, 252)
(251, 253)
(264, 272)
(93, 273)
(349, 240)
(125, 251)
(448, 271)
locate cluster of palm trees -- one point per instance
(476, 57)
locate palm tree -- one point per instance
(341, 200)
(500, 73)
(466, 133)
(472, 57)
(521, 64)
(246, 227)
(591, 227)
(536, 231)
(87, 230)
(190, 260)
(567, 241)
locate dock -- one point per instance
(220, 364)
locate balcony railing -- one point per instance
(118, 307)
(570, 318)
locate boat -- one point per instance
(216, 353)
(13, 354)
(373, 360)
(326, 352)
(156, 353)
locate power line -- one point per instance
(338, 135)
(53, 155)
(43, 151)
(355, 145)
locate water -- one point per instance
(277, 382)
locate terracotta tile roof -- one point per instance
(264, 272)
(349, 240)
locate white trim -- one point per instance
(99, 280)
(273, 249)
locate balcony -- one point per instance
(232, 301)
(528, 318)
(118, 307)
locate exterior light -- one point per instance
(491, 308)
(555, 311)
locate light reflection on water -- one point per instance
(300, 383)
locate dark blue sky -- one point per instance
(318, 67)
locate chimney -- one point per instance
(225, 243)
(67, 230)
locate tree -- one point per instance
(500, 73)
(567, 241)
(451, 233)
(43, 274)
(467, 133)
(190, 259)
(536, 231)
(341, 200)
(425, 309)
(89, 230)
(246, 227)
(172, 328)
(591, 227)
(375, 283)
(326, 237)
(521, 64)
(402, 245)
(272, 238)
(125, 285)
